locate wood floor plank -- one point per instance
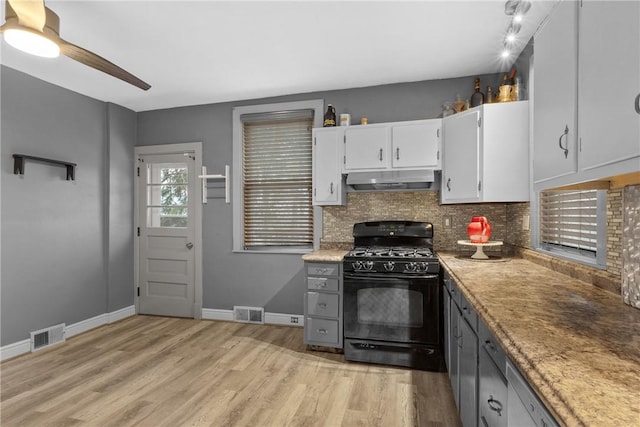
(155, 371)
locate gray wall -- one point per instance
(65, 257)
(275, 282)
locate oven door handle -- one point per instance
(387, 277)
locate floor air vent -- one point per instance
(248, 314)
(47, 337)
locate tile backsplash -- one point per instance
(449, 221)
(508, 221)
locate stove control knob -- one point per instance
(389, 265)
(423, 266)
(368, 265)
(357, 265)
(411, 266)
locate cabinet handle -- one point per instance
(494, 405)
(638, 104)
(322, 305)
(380, 155)
(322, 331)
(566, 148)
(331, 188)
(449, 184)
(398, 153)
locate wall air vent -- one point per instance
(248, 314)
(47, 337)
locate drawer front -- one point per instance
(323, 269)
(453, 288)
(469, 313)
(321, 304)
(323, 284)
(492, 347)
(321, 330)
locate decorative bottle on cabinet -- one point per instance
(478, 97)
(329, 116)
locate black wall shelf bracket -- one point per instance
(18, 165)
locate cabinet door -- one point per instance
(454, 352)
(447, 326)
(492, 393)
(468, 405)
(366, 147)
(555, 95)
(461, 172)
(327, 178)
(416, 145)
(609, 82)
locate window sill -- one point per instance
(274, 251)
(583, 260)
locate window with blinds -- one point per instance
(276, 179)
(573, 221)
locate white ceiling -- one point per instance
(200, 52)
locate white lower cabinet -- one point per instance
(323, 304)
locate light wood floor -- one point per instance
(155, 371)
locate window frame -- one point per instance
(600, 259)
(237, 181)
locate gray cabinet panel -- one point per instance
(492, 393)
(322, 304)
(323, 331)
(468, 405)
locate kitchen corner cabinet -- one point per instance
(399, 145)
(589, 130)
(323, 304)
(328, 186)
(486, 154)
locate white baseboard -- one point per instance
(217, 314)
(270, 318)
(16, 349)
(283, 319)
(21, 347)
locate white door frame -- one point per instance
(188, 147)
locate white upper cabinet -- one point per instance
(587, 81)
(555, 84)
(366, 147)
(328, 188)
(416, 144)
(486, 154)
(461, 172)
(609, 83)
(399, 145)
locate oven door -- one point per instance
(393, 309)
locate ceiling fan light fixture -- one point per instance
(31, 42)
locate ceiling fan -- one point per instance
(35, 29)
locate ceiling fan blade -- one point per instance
(30, 13)
(99, 63)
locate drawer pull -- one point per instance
(321, 331)
(322, 305)
(495, 405)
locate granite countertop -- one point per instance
(325, 255)
(578, 345)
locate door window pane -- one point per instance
(167, 195)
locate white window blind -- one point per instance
(276, 179)
(572, 221)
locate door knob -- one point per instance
(189, 245)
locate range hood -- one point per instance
(397, 180)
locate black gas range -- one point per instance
(392, 300)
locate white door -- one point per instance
(416, 145)
(461, 169)
(366, 147)
(326, 169)
(167, 223)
